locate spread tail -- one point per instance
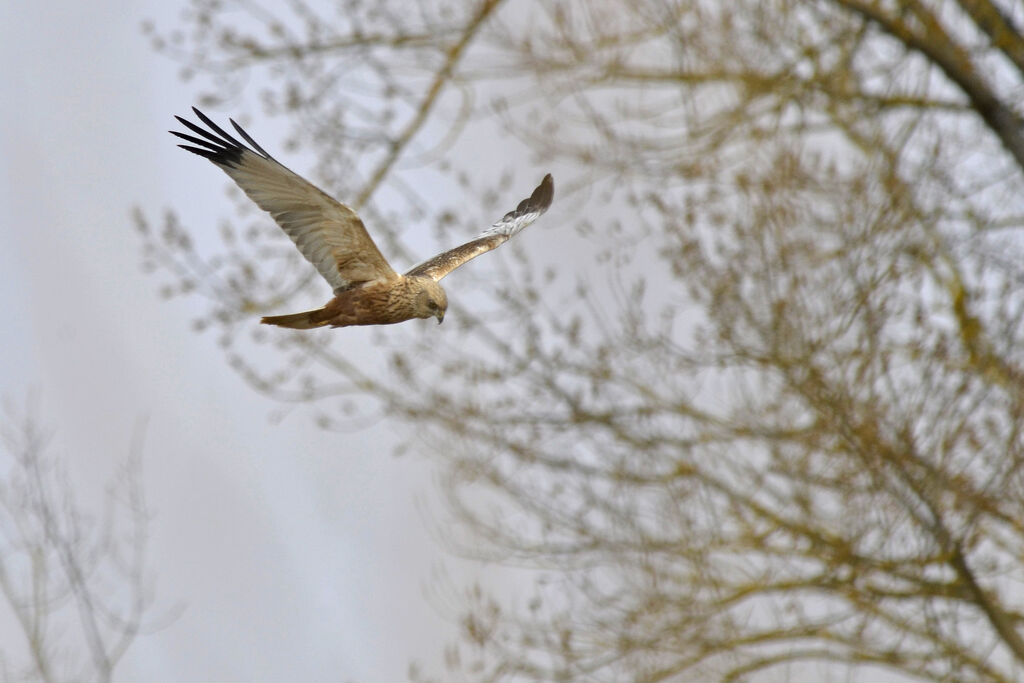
(307, 320)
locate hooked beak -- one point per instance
(440, 316)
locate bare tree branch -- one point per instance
(61, 574)
(762, 410)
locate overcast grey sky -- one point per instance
(298, 555)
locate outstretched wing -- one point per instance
(529, 210)
(328, 233)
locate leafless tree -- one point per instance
(74, 583)
(768, 422)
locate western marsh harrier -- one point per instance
(367, 291)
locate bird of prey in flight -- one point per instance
(367, 291)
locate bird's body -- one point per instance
(367, 291)
(373, 303)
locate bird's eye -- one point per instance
(431, 305)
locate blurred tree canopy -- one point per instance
(75, 583)
(752, 400)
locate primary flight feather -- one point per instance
(367, 290)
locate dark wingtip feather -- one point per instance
(211, 155)
(196, 141)
(540, 200)
(248, 138)
(216, 144)
(545, 192)
(216, 129)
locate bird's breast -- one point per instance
(378, 303)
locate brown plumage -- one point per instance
(367, 291)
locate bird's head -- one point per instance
(431, 301)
